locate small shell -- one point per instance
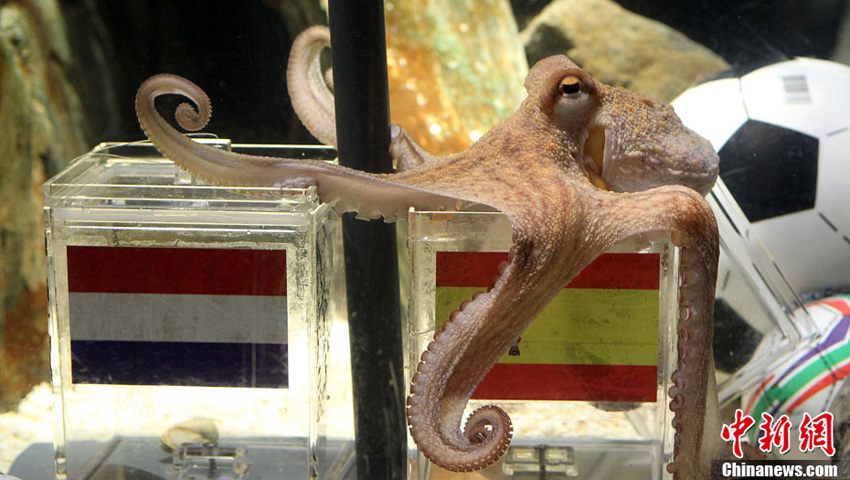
(196, 430)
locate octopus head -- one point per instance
(629, 142)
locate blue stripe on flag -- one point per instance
(246, 365)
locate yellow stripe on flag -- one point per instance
(581, 327)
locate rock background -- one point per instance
(69, 71)
(620, 48)
(42, 129)
(456, 68)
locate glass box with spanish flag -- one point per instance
(190, 323)
(585, 384)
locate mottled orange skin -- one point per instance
(566, 207)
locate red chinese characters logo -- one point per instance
(734, 432)
(776, 432)
(817, 433)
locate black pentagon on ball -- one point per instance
(770, 170)
(735, 340)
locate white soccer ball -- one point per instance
(783, 136)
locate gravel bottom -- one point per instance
(32, 421)
(29, 424)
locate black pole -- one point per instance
(363, 137)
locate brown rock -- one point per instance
(41, 132)
(620, 48)
(455, 69)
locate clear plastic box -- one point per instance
(559, 429)
(190, 315)
(750, 279)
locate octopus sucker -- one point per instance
(579, 167)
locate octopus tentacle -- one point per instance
(434, 411)
(309, 88)
(693, 381)
(694, 392)
(407, 154)
(370, 195)
(473, 339)
(311, 93)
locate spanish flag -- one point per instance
(596, 341)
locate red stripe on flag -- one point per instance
(638, 271)
(589, 383)
(468, 269)
(201, 271)
(626, 271)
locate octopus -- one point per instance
(579, 167)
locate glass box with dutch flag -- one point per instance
(190, 323)
(585, 385)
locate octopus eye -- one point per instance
(570, 86)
